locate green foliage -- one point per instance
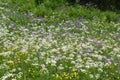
(38, 2)
(23, 5)
(42, 10)
(102, 4)
(51, 3)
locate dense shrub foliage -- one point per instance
(38, 2)
(102, 4)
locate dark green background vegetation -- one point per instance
(101, 4)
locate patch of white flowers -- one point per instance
(57, 45)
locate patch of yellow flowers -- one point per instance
(66, 76)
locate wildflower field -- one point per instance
(57, 47)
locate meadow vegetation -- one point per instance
(58, 41)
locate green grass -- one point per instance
(58, 43)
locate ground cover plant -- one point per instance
(65, 43)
